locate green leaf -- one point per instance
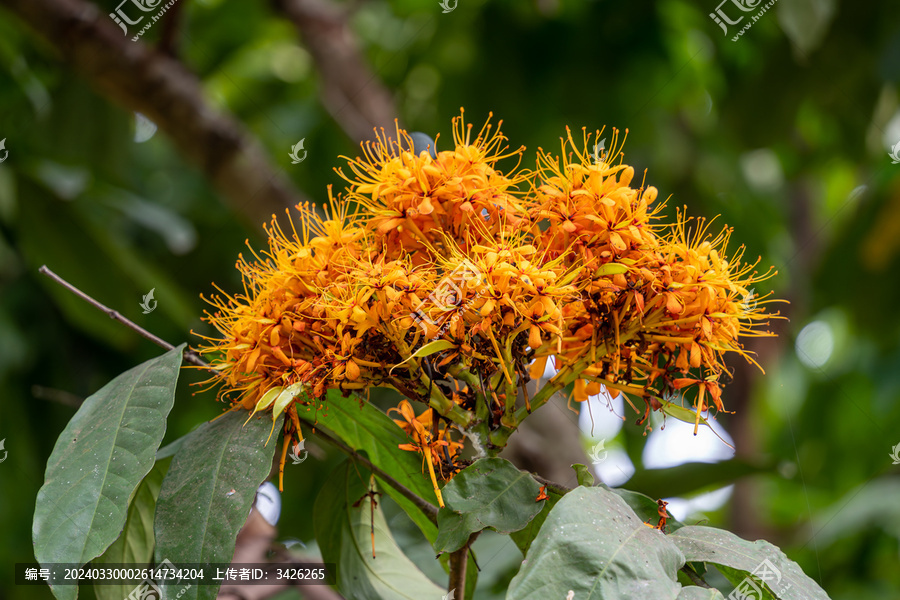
(583, 475)
(99, 460)
(610, 269)
(525, 536)
(135, 545)
(206, 495)
(433, 348)
(593, 544)
(694, 592)
(427, 350)
(645, 508)
(489, 493)
(344, 534)
(286, 397)
(738, 578)
(267, 399)
(169, 450)
(370, 431)
(740, 558)
(688, 416)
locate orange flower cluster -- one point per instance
(453, 282)
(427, 436)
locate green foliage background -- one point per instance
(813, 84)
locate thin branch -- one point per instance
(694, 577)
(351, 92)
(459, 560)
(145, 80)
(560, 489)
(189, 355)
(426, 507)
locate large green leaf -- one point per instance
(344, 534)
(739, 558)
(748, 588)
(695, 592)
(525, 536)
(489, 493)
(135, 544)
(371, 432)
(643, 506)
(206, 495)
(99, 460)
(593, 544)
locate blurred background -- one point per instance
(136, 165)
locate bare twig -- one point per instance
(351, 92)
(143, 79)
(189, 355)
(560, 489)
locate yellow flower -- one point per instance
(414, 200)
(509, 268)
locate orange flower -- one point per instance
(454, 269)
(426, 437)
(415, 199)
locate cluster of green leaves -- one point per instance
(112, 496)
